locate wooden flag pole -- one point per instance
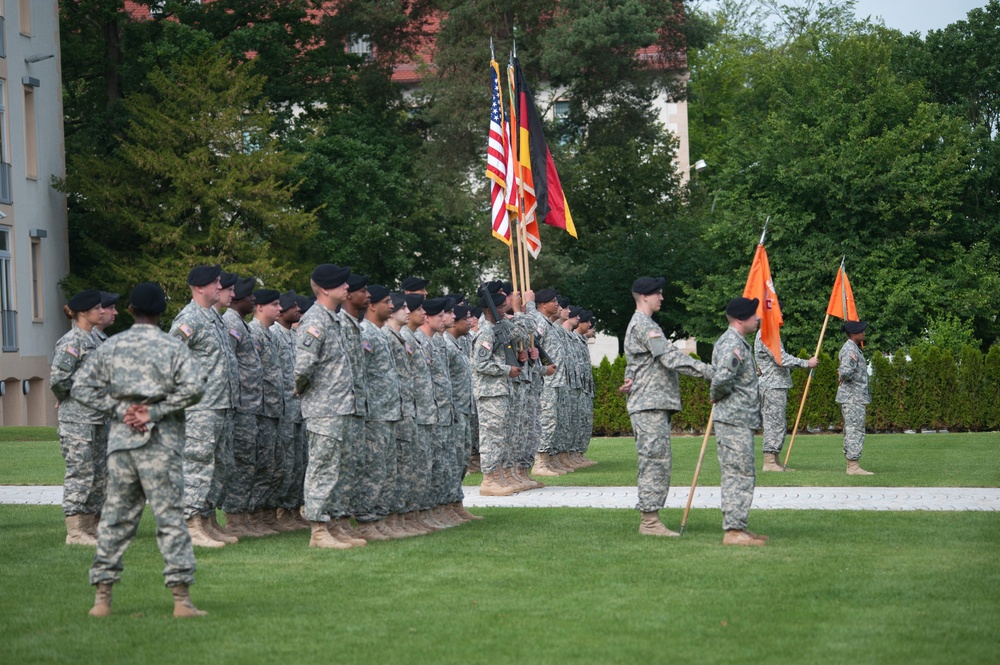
(697, 469)
(514, 139)
(802, 404)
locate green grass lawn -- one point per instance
(899, 460)
(530, 586)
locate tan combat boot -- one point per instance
(260, 523)
(463, 513)
(456, 514)
(341, 529)
(771, 462)
(236, 526)
(443, 517)
(412, 524)
(215, 530)
(369, 531)
(493, 486)
(183, 607)
(474, 466)
(542, 467)
(743, 538)
(76, 534)
(90, 524)
(562, 460)
(586, 461)
(102, 601)
(652, 526)
(854, 469)
(322, 538)
(198, 536)
(512, 477)
(532, 483)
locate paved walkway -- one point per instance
(765, 498)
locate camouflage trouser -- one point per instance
(516, 428)
(327, 444)
(402, 482)
(652, 445)
(442, 455)
(373, 470)
(854, 430)
(347, 483)
(474, 425)
(268, 474)
(224, 460)
(84, 449)
(738, 474)
(532, 426)
(462, 449)
(387, 500)
(423, 456)
(773, 403)
(204, 432)
(290, 440)
(587, 430)
(552, 398)
(493, 413)
(151, 473)
(239, 478)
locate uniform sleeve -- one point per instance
(92, 384)
(789, 361)
(61, 372)
(726, 363)
(675, 359)
(307, 353)
(848, 366)
(189, 386)
(485, 360)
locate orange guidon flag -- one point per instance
(759, 285)
(842, 299)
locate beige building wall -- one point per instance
(34, 250)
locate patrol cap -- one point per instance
(574, 311)
(227, 279)
(304, 302)
(461, 311)
(398, 300)
(287, 300)
(244, 287)
(356, 282)
(148, 298)
(435, 306)
(108, 299)
(378, 292)
(498, 299)
(546, 295)
(85, 300)
(204, 275)
(329, 276)
(742, 308)
(645, 286)
(414, 301)
(265, 296)
(849, 327)
(414, 284)
(563, 301)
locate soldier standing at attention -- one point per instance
(290, 426)
(654, 395)
(200, 327)
(775, 380)
(853, 395)
(461, 393)
(735, 395)
(108, 316)
(144, 379)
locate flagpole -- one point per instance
(697, 469)
(764, 232)
(805, 392)
(515, 138)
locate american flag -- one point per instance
(498, 160)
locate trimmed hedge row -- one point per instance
(926, 388)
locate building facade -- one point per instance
(34, 250)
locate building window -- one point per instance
(361, 46)
(560, 109)
(37, 306)
(3, 39)
(8, 315)
(4, 159)
(24, 16)
(30, 134)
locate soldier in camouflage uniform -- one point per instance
(586, 395)
(734, 393)
(269, 474)
(290, 437)
(144, 379)
(654, 395)
(853, 395)
(325, 382)
(544, 311)
(109, 303)
(425, 418)
(82, 430)
(775, 380)
(460, 370)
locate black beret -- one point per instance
(461, 311)
(329, 276)
(546, 295)
(854, 327)
(378, 292)
(586, 315)
(414, 301)
(563, 301)
(288, 300)
(645, 286)
(435, 306)
(742, 308)
(228, 279)
(498, 299)
(108, 299)
(398, 300)
(305, 302)
(494, 286)
(449, 304)
(265, 296)
(414, 284)
(244, 287)
(458, 298)
(148, 298)
(356, 282)
(476, 312)
(204, 275)
(85, 300)
(574, 311)
(508, 287)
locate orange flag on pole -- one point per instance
(842, 299)
(761, 286)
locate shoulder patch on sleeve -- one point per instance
(315, 332)
(236, 333)
(738, 353)
(73, 351)
(655, 333)
(487, 345)
(366, 345)
(408, 347)
(185, 329)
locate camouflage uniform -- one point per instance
(425, 417)
(853, 396)
(246, 416)
(378, 464)
(325, 382)
(460, 372)
(491, 387)
(291, 439)
(270, 471)
(737, 414)
(465, 343)
(443, 442)
(584, 396)
(553, 399)
(652, 363)
(400, 484)
(775, 380)
(143, 366)
(82, 431)
(209, 422)
(350, 480)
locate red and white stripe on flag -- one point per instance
(497, 161)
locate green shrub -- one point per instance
(970, 408)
